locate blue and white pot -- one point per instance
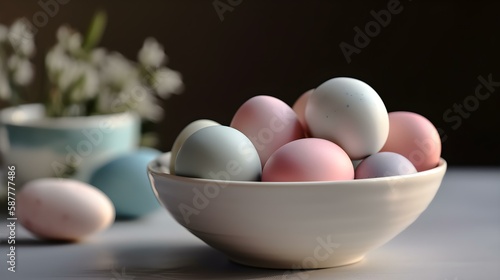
(63, 147)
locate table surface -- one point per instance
(456, 238)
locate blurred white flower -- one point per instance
(21, 38)
(89, 86)
(12, 62)
(63, 33)
(78, 79)
(4, 31)
(134, 97)
(117, 70)
(151, 54)
(106, 102)
(55, 62)
(21, 69)
(69, 75)
(5, 92)
(78, 75)
(98, 56)
(148, 107)
(69, 39)
(167, 81)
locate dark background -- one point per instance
(427, 59)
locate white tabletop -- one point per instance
(456, 238)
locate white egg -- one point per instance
(219, 152)
(349, 113)
(63, 209)
(185, 133)
(163, 162)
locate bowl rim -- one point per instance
(32, 115)
(152, 168)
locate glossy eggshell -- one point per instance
(269, 123)
(63, 209)
(124, 179)
(384, 164)
(308, 159)
(415, 137)
(185, 133)
(218, 152)
(349, 113)
(299, 107)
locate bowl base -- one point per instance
(295, 266)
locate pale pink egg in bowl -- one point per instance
(296, 225)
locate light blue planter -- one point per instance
(54, 147)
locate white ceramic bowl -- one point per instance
(298, 225)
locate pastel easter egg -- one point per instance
(384, 164)
(299, 107)
(349, 113)
(63, 209)
(269, 123)
(185, 133)
(218, 152)
(124, 179)
(309, 159)
(415, 137)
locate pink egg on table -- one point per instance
(384, 164)
(414, 137)
(63, 209)
(269, 123)
(300, 109)
(309, 159)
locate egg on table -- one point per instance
(124, 179)
(63, 209)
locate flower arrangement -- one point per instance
(17, 47)
(84, 79)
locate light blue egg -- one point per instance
(124, 179)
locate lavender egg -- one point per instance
(384, 164)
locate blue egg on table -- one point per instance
(125, 181)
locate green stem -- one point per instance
(95, 31)
(54, 105)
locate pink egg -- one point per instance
(309, 159)
(300, 109)
(414, 137)
(269, 123)
(384, 164)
